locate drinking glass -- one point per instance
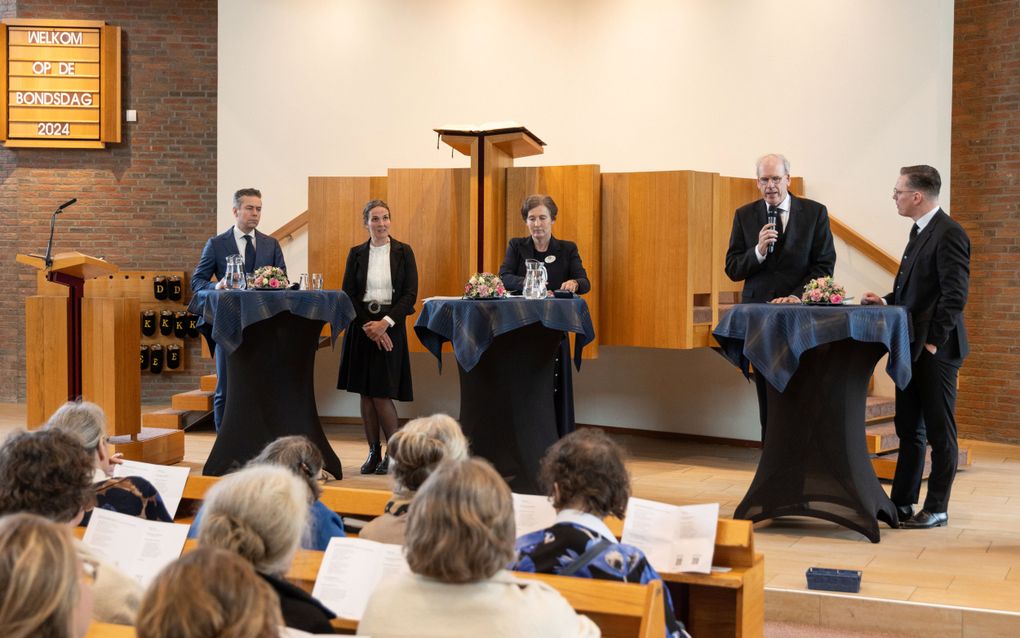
(303, 282)
(316, 281)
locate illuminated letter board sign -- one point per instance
(61, 83)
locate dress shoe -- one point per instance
(905, 513)
(374, 456)
(926, 520)
(384, 467)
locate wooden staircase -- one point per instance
(186, 408)
(883, 444)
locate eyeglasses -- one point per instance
(775, 180)
(90, 570)
(897, 193)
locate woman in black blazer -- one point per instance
(381, 278)
(563, 265)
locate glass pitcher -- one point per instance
(535, 278)
(234, 277)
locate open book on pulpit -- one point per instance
(512, 138)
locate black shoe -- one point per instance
(384, 467)
(905, 513)
(926, 520)
(372, 462)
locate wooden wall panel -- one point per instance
(335, 222)
(732, 193)
(45, 356)
(431, 212)
(110, 336)
(577, 193)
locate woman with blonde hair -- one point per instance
(415, 451)
(209, 593)
(261, 513)
(131, 495)
(460, 536)
(45, 589)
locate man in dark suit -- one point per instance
(776, 260)
(258, 250)
(932, 283)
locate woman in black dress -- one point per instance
(563, 265)
(381, 279)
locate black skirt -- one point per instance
(371, 372)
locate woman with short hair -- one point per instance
(459, 538)
(131, 495)
(586, 478)
(45, 587)
(209, 593)
(261, 514)
(415, 451)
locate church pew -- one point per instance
(107, 630)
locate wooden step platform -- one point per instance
(207, 383)
(193, 400)
(879, 409)
(882, 438)
(151, 445)
(885, 465)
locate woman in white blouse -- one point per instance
(381, 278)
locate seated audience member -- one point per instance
(45, 587)
(131, 495)
(261, 513)
(209, 593)
(297, 454)
(415, 450)
(584, 474)
(48, 472)
(460, 535)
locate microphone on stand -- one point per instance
(772, 220)
(53, 223)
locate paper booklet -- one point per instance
(532, 513)
(137, 547)
(351, 568)
(674, 538)
(168, 480)
(484, 127)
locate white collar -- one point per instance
(238, 234)
(586, 520)
(926, 219)
(783, 206)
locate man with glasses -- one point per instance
(778, 244)
(932, 283)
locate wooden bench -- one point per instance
(106, 630)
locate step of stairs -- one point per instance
(885, 465)
(207, 383)
(879, 409)
(192, 400)
(882, 438)
(167, 418)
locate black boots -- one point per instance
(372, 463)
(384, 467)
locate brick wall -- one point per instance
(986, 200)
(148, 203)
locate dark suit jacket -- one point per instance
(932, 283)
(566, 266)
(805, 251)
(403, 277)
(214, 257)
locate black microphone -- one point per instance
(772, 220)
(53, 223)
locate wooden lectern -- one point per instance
(492, 151)
(79, 345)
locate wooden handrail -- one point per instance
(863, 244)
(291, 227)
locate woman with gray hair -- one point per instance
(131, 495)
(460, 536)
(261, 513)
(381, 279)
(415, 451)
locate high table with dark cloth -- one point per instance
(506, 352)
(818, 361)
(270, 338)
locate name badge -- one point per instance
(550, 259)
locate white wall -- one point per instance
(848, 90)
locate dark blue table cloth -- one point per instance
(269, 340)
(773, 337)
(818, 361)
(473, 324)
(224, 314)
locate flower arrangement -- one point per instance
(823, 290)
(484, 285)
(269, 278)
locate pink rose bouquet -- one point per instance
(823, 291)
